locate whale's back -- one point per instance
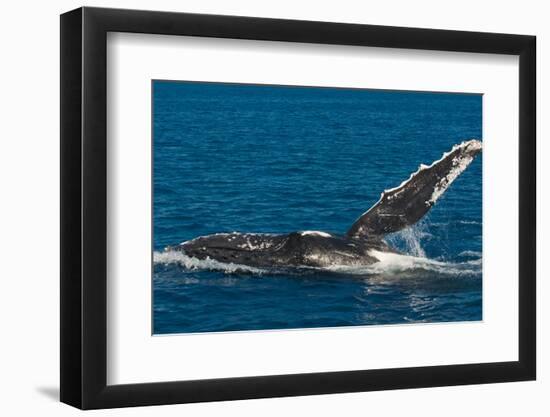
(310, 249)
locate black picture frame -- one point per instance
(84, 207)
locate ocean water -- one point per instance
(277, 159)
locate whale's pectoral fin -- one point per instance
(405, 205)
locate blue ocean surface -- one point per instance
(277, 159)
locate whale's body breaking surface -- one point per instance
(396, 209)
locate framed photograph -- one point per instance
(258, 208)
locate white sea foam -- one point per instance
(471, 253)
(468, 222)
(394, 263)
(181, 259)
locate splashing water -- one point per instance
(409, 240)
(179, 258)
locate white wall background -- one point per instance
(29, 219)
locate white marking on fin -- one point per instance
(314, 233)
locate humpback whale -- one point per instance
(396, 209)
